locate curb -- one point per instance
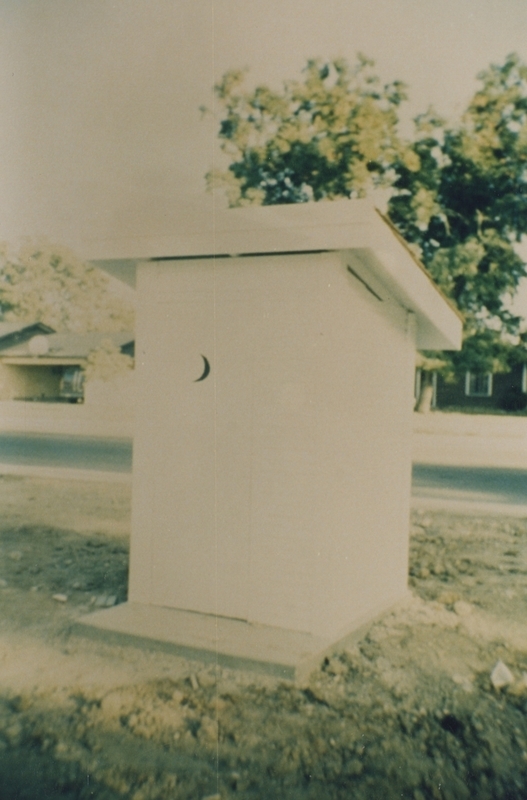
(472, 508)
(64, 473)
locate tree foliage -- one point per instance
(466, 206)
(48, 283)
(458, 192)
(330, 135)
(107, 361)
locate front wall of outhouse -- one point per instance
(277, 488)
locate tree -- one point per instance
(465, 209)
(47, 283)
(107, 361)
(333, 134)
(458, 193)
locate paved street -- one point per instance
(66, 452)
(431, 482)
(470, 484)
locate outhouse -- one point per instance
(275, 352)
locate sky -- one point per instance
(101, 133)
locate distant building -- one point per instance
(500, 390)
(41, 365)
(13, 333)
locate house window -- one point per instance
(478, 384)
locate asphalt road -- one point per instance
(470, 484)
(70, 452)
(439, 483)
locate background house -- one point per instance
(38, 364)
(13, 333)
(500, 390)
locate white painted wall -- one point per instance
(277, 489)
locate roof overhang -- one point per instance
(343, 225)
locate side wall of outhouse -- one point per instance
(276, 489)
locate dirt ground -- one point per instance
(411, 711)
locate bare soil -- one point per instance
(408, 712)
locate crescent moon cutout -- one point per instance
(206, 370)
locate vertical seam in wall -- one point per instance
(214, 378)
(215, 412)
(249, 561)
(214, 375)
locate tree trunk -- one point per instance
(424, 404)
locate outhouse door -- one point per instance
(192, 495)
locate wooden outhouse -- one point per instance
(275, 353)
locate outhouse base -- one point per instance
(227, 642)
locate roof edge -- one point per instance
(419, 264)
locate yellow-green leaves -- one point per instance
(48, 283)
(458, 192)
(331, 134)
(107, 361)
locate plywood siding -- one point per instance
(277, 489)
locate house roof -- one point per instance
(7, 328)
(22, 329)
(342, 225)
(63, 347)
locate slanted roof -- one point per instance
(342, 225)
(65, 347)
(13, 332)
(7, 328)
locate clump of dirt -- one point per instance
(63, 564)
(413, 710)
(480, 558)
